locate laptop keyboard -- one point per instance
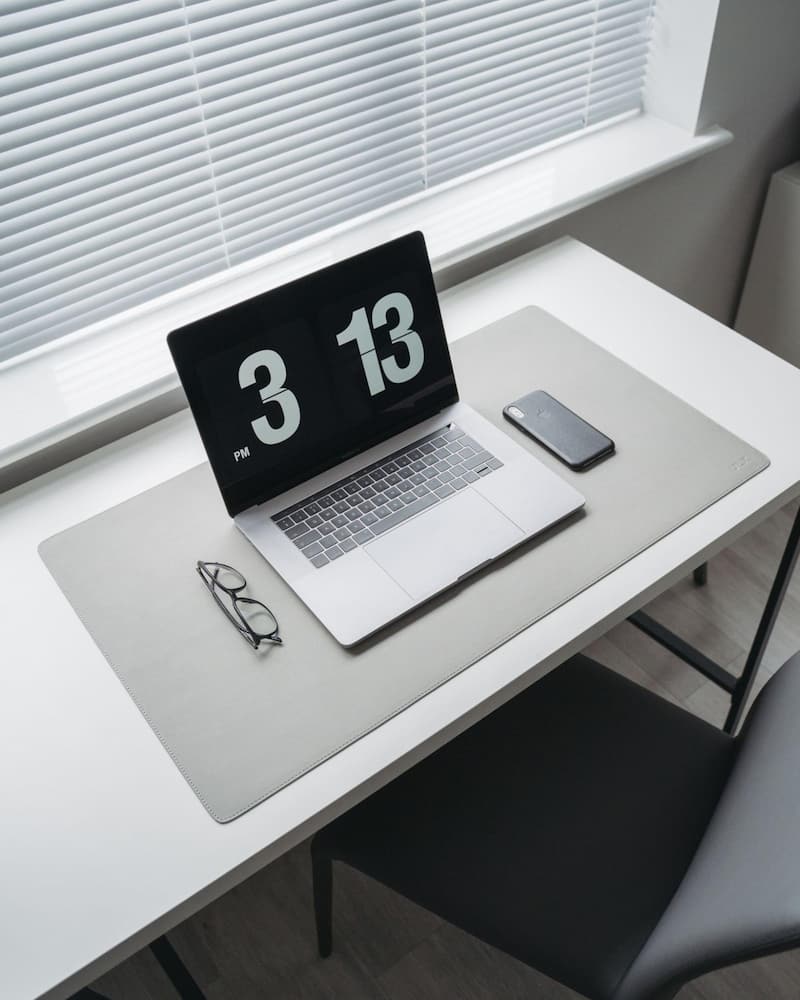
(382, 495)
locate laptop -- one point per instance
(330, 414)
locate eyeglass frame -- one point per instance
(241, 625)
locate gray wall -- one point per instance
(691, 230)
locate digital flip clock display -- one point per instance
(291, 393)
(360, 332)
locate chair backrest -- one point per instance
(740, 897)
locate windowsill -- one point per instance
(58, 393)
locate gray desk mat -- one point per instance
(240, 725)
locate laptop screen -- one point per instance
(293, 381)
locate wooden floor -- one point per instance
(258, 940)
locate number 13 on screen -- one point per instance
(377, 370)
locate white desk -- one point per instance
(103, 845)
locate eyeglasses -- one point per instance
(253, 620)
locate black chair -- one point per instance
(598, 833)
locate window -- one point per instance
(149, 144)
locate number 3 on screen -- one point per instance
(275, 392)
(360, 331)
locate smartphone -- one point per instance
(558, 429)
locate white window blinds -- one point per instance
(147, 144)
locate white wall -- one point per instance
(691, 230)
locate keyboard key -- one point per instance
(355, 527)
(339, 521)
(382, 511)
(320, 561)
(348, 544)
(392, 492)
(367, 493)
(298, 516)
(393, 479)
(426, 448)
(405, 486)
(334, 552)
(285, 523)
(415, 454)
(409, 497)
(435, 483)
(352, 515)
(363, 482)
(341, 507)
(441, 466)
(328, 541)
(445, 476)
(328, 513)
(422, 503)
(366, 506)
(402, 461)
(312, 508)
(354, 500)
(445, 491)
(429, 460)
(312, 550)
(438, 441)
(377, 475)
(495, 463)
(395, 504)
(389, 467)
(458, 484)
(452, 460)
(369, 518)
(421, 491)
(307, 539)
(406, 473)
(339, 494)
(466, 453)
(351, 488)
(327, 501)
(429, 474)
(296, 530)
(325, 528)
(342, 533)
(469, 476)
(417, 466)
(314, 521)
(471, 443)
(417, 479)
(363, 536)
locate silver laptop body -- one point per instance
(381, 532)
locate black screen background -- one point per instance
(300, 321)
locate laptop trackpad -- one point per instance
(434, 549)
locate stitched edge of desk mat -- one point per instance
(239, 725)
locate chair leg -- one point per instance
(322, 876)
(701, 574)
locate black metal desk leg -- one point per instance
(701, 575)
(88, 994)
(765, 626)
(178, 974)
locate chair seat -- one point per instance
(557, 829)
